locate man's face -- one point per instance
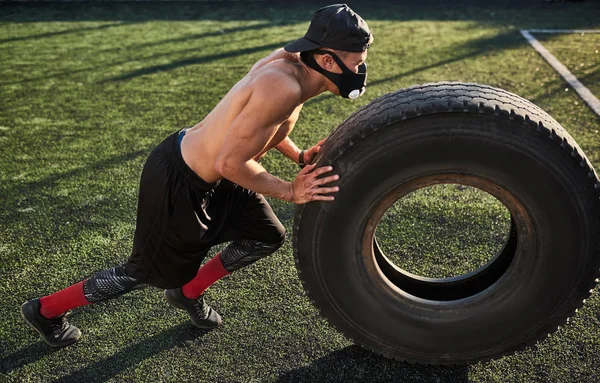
(352, 60)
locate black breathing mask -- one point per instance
(351, 85)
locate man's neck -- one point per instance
(312, 83)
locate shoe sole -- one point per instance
(55, 345)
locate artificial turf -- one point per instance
(585, 63)
(86, 92)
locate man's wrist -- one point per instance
(290, 196)
(301, 159)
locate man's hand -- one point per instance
(310, 154)
(308, 187)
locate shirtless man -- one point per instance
(203, 185)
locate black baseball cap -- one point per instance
(335, 26)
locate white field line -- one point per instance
(584, 92)
(584, 31)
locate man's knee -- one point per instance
(277, 236)
(107, 284)
(244, 252)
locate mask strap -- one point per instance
(338, 60)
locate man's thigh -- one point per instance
(247, 215)
(167, 246)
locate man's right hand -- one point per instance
(308, 187)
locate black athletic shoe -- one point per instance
(201, 314)
(57, 332)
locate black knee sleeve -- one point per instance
(244, 252)
(107, 284)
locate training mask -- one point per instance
(351, 85)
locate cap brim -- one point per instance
(301, 45)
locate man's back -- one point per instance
(202, 143)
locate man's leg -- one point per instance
(209, 273)
(161, 187)
(236, 255)
(201, 314)
(47, 314)
(255, 233)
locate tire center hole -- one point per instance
(444, 230)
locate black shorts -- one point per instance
(180, 216)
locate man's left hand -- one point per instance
(310, 154)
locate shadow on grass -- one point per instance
(220, 32)
(355, 364)
(106, 368)
(48, 221)
(65, 32)
(471, 49)
(176, 64)
(103, 66)
(191, 61)
(149, 70)
(34, 186)
(499, 12)
(25, 356)
(558, 85)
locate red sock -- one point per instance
(63, 301)
(208, 274)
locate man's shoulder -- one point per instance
(277, 80)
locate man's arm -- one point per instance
(289, 149)
(250, 133)
(287, 146)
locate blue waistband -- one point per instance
(176, 158)
(180, 137)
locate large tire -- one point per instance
(463, 134)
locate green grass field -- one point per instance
(580, 52)
(86, 92)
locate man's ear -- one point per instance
(328, 62)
